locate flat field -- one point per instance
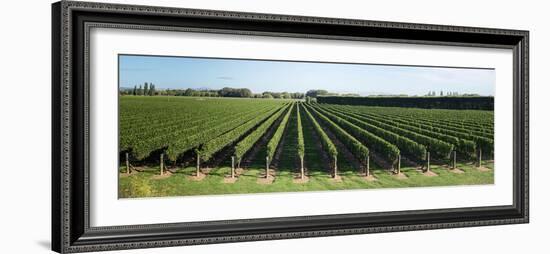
(337, 145)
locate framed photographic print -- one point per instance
(181, 126)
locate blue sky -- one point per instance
(279, 76)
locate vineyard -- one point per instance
(193, 146)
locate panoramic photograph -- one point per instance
(217, 126)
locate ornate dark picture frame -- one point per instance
(71, 22)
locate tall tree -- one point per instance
(134, 92)
(316, 93)
(297, 95)
(188, 92)
(146, 89)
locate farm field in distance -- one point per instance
(177, 146)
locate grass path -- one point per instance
(179, 184)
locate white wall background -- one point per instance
(25, 126)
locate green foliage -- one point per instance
(178, 124)
(360, 151)
(276, 139)
(405, 145)
(412, 143)
(385, 148)
(248, 142)
(208, 132)
(215, 145)
(434, 123)
(235, 92)
(139, 187)
(477, 103)
(484, 142)
(325, 140)
(146, 89)
(316, 93)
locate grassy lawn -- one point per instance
(143, 184)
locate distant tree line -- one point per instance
(148, 89)
(451, 102)
(455, 94)
(317, 93)
(283, 95)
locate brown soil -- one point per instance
(422, 167)
(228, 179)
(138, 168)
(429, 173)
(239, 171)
(483, 169)
(400, 176)
(457, 171)
(337, 179)
(163, 176)
(370, 178)
(127, 175)
(205, 171)
(268, 180)
(300, 180)
(171, 170)
(271, 173)
(196, 177)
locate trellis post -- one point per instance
(266, 166)
(302, 166)
(127, 164)
(161, 163)
(428, 162)
(454, 159)
(232, 166)
(399, 164)
(367, 169)
(335, 166)
(479, 158)
(198, 164)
